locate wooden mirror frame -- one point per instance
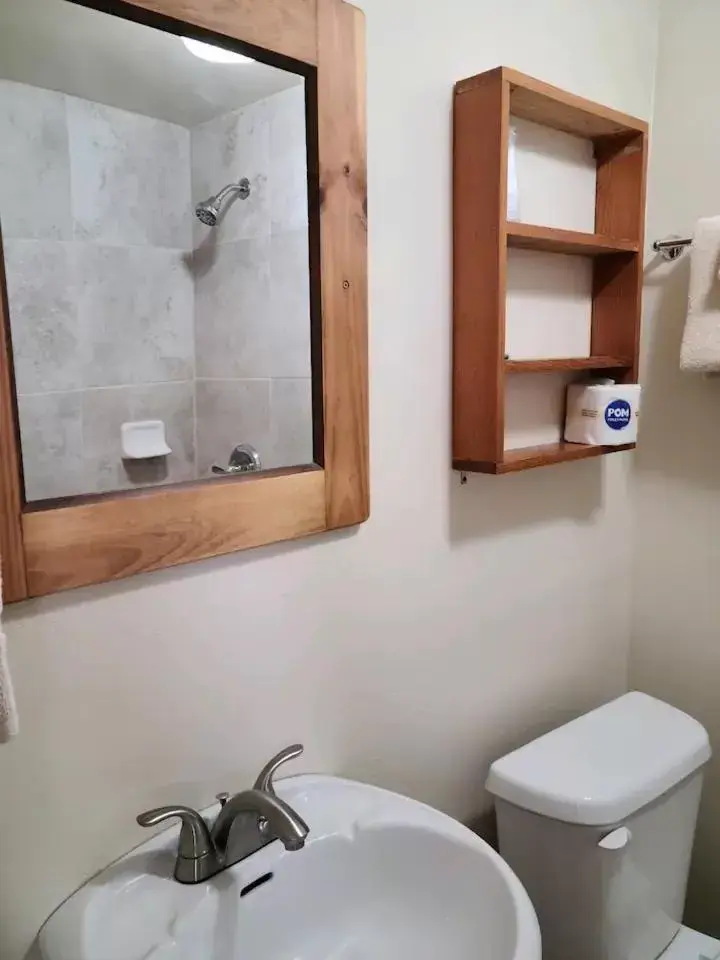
(93, 539)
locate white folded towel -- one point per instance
(8, 710)
(700, 351)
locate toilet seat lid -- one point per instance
(605, 765)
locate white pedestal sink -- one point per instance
(381, 877)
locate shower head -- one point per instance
(208, 212)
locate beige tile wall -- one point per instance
(252, 299)
(97, 224)
(122, 303)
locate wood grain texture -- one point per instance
(287, 27)
(480, 190)
(527, 236)
(481, 125)
(564, 363)
(116, 537)
(528, 458)
(12, 553)
(343, 234)
(617, 292)
(543, 103)
(618, 280)
(620, 191)
(96, 539)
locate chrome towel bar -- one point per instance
(672, 248)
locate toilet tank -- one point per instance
(597, 819)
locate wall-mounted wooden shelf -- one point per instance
(565, 363)
(526, 458)
(527, 236)
(483, 236)
(543, 103)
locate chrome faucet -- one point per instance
(277, 820)
(246, 823)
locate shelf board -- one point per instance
(543, 103)
(565, 363)
(529, 236)
(526, 458)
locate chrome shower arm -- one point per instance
(242, 187)
(208, 212)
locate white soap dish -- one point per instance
(143, 439)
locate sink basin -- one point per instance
(381, 877)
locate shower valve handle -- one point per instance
(243, 459)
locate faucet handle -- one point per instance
(264, 781)
(195, 839)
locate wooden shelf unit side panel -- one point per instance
(618, 279)
(481, 128)
(620, 192)
(615, 327)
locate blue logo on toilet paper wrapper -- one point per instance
(618, 414)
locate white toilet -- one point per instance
(597, 819)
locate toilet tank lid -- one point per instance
(605, 765)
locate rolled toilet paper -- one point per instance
(602, 414)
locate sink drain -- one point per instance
(255, 884)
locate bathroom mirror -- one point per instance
(184, 291)
(155, 216)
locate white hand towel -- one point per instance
(700, 351)
(8, 711)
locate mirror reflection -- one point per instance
(154, 214)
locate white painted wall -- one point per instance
(676, 633)
(455, 624)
